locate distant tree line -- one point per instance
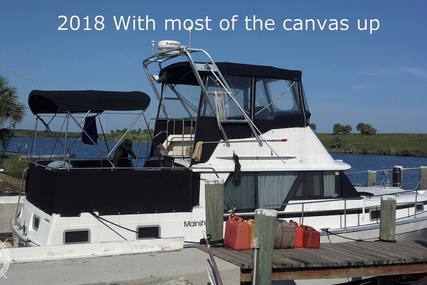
(364, 129)
(134, 132)
(339, 129)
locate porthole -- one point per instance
(148, 232)
(76, 236)
(36, 222)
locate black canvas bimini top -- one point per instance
(82, 101)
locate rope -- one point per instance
(102, 220)
(26, 77)
(329, 233)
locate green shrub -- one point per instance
(14, 166)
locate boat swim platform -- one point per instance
(337, 260)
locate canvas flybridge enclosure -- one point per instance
(252, 100)
(94, 185)
(264, 92)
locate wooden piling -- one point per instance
(423, 177)
(214, 199)
(265, 222)
(388, 218)
(372, 177)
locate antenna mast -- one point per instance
(189, 37)
(153, 43)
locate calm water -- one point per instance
(49, 146)
(358, 173)
(360, 163)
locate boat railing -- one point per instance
(392, 177)
(176, 137)
(103, 165)
(34, 157)
(299, 209)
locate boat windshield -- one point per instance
(269, 99)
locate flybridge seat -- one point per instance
(179, 145)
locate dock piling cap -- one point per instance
(266, 212)
(388, 198)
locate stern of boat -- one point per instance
(22, 226)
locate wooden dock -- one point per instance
(339, 260)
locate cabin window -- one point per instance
(148, 232)
(271, 189)
(317, 184)
(77, 236)
(420, 207)
(36, 222)
(374, 214)
(242, 195)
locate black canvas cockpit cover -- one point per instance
(82, 101)
(69, 193)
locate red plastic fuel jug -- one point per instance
(299, 235)
(237, 234)
(311, 237)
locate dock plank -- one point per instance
(349, 259)
(308, 257)
(391, 252)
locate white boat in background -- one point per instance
(246, 125)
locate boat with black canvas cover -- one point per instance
(246, 125)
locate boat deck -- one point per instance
(339, 260)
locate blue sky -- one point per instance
(351, 75)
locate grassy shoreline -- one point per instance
(12, 181)
(379, 144)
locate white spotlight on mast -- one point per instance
(153, 43)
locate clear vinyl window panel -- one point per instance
(179, 101)
(223, 103)
(276, 97)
